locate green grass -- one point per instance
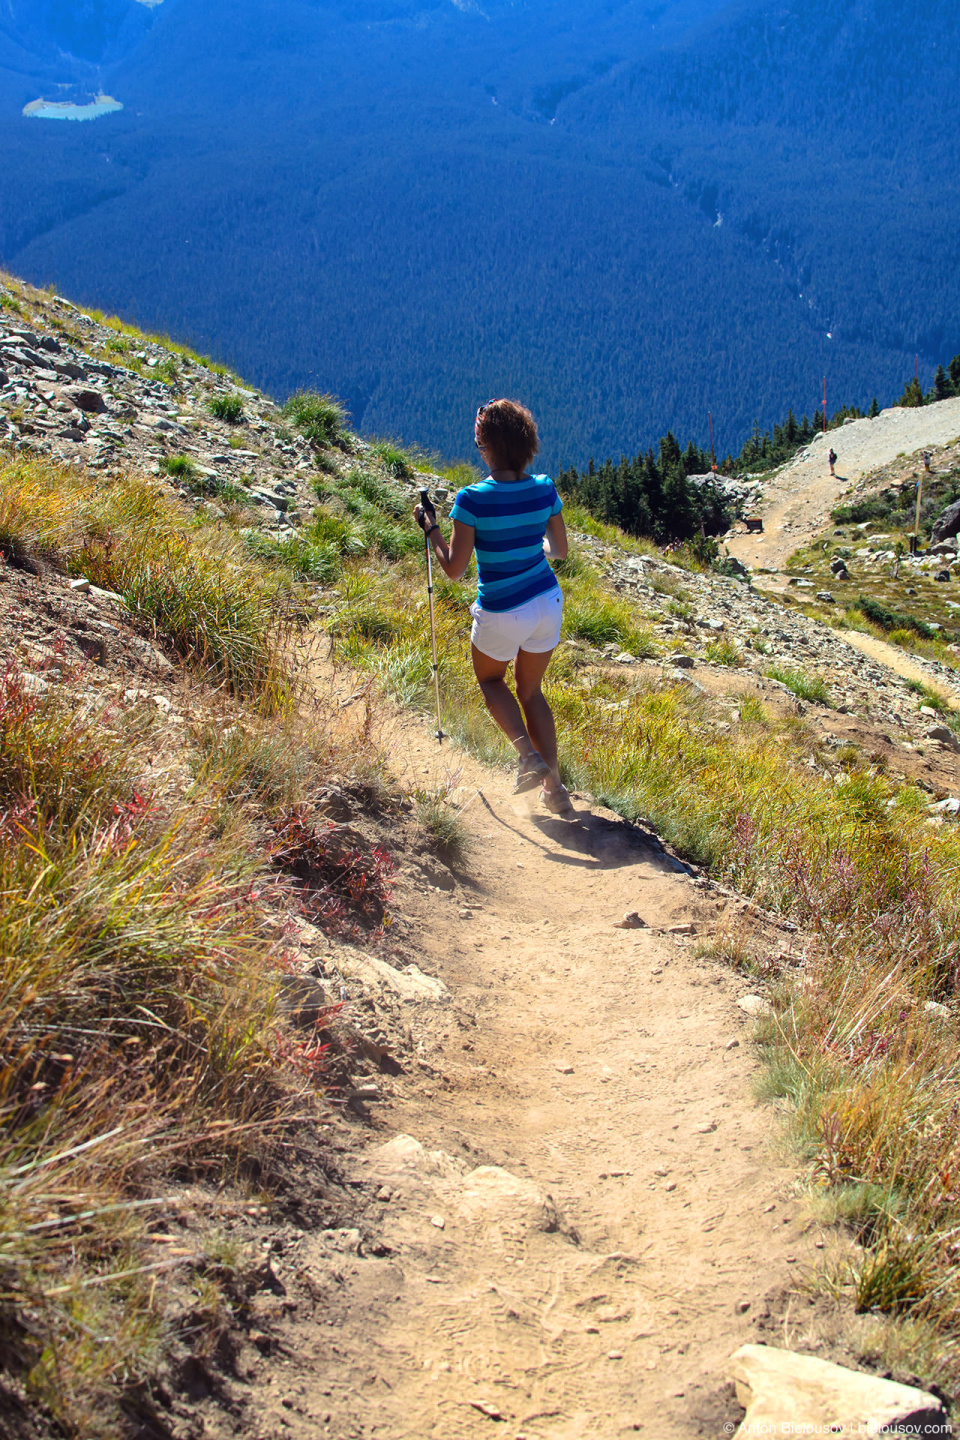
(186, 470)
(444, 828)
(393, 459)
(228, 408)
(302, 556)
(180, 467)
(804, 685)
(320, 418)
(602, 619)
(724, 652)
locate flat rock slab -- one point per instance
(788, 1394)
(410, 984)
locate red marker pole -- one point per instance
(824, 404)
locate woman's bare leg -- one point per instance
(529, 669)
(501, 701)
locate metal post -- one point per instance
(916, 521)
(424, 502)
(713, 453)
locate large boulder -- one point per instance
(946, 524)
(788, 1394)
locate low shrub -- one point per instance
(344, 883)
(889, 619)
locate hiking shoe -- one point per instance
(558, 802)
(530, 772)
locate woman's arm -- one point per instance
(555, 539)
(454, 558)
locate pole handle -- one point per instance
(424, 496)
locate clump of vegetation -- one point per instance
(320, 418)
(138, 992)
(724, 652)
(180, 467)
(228, 408)
(393, 460)
(343, 885)
(443, 826)
(805, 686)
(144, 1046)
(186, 470)
(600, 619)
(889, 619)
(301, 555)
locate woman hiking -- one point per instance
(513, 521)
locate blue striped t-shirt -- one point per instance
(510, 520)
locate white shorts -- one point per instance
(534, 627)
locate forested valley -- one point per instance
(627, 222)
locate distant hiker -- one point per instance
(513, 521)
(832, 457)
(926, 460)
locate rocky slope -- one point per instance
(82, 391)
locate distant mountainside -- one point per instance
(627, 213)
(62, 37)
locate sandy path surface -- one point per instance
(578, 1207)
(799, 499)
(899, 661)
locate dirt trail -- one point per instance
(799, 499)
(898, 661)
(578, 1209)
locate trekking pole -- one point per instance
(424, 502)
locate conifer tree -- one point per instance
(942, 389)
(912, 394)
(874, 410)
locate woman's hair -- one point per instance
(508, 432)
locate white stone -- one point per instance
(783, 1392)
(409, 984)
(935, 1010)
(755, 1005)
